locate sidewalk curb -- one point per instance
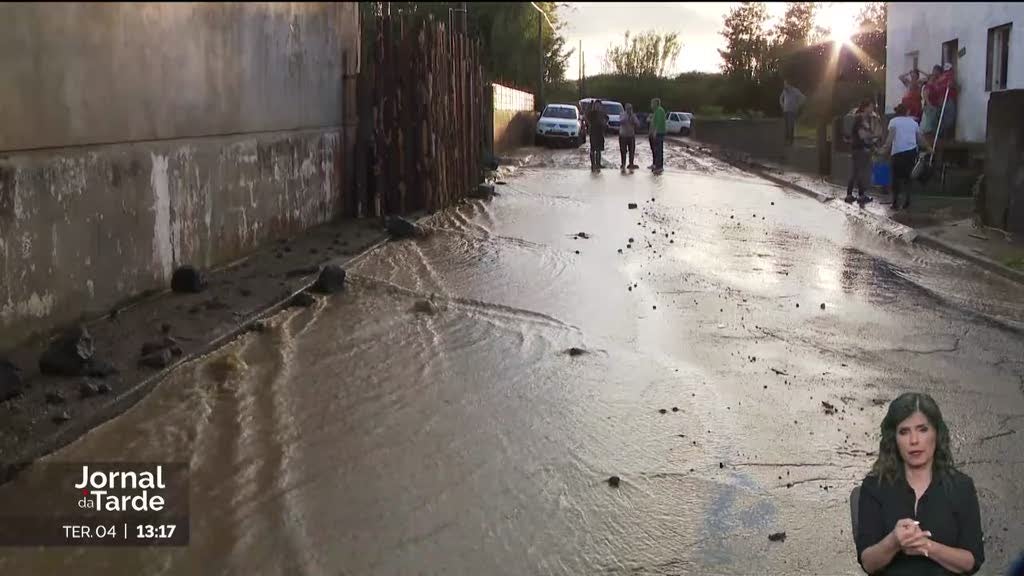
(913, 235)
(977, 259)
(751, 166)
(124, 401)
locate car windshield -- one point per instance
(611, 108)
(560, 112)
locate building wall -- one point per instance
(135, 138)
(923, 27)
(514, 120)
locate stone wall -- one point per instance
(1003, 204)
(139, 137)
(764, 138)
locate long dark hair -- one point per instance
(889, 465)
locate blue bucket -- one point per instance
(880, 174)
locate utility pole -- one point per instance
(540, 60)
(583, 72)
(579, 72)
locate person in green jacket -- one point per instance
(658, 135)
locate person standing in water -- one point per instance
(627, 138)
(658, 130)
(598, 122)
(862, 141)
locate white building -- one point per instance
(983, 40)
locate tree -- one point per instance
(871, 36)
(746, 42)
(507, 32)
(643, 55)
(796, 25)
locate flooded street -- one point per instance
(374, 435)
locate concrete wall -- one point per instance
(135, 138)
(923, 27)
(764, 138)
(514, 120)
(1004, 162)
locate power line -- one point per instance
(544, 14)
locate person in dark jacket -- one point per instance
(862, 141)
(598, 122)
(917, 515)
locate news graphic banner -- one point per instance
(96, 504)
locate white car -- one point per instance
(614, 111)
(560, 123)
(678, 123)
(611, 108)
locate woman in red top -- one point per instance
(947, 81)
(912, 99)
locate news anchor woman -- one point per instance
(917, 514)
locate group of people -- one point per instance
(905, 138)
(926, 94)
(903, 143)
(597, 120)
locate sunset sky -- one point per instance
(698, 23)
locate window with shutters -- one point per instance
(997, 57)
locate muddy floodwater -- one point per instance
(378, 434)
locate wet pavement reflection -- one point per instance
(375, 434)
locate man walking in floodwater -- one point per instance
(658, 129)
(790, 100)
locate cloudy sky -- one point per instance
(599, 24)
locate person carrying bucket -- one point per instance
(862, 141)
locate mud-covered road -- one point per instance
(374, 435)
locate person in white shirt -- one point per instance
(903, 141)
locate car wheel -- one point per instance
(538, 140)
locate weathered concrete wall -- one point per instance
(135, 138)
(514, 120)
(764, 138)
(82, 230)
(1004, 161)
(88, 73)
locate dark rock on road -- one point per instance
(575, 351)
(614, 481)
(331, 280)
(158, 360)
(69, 355)
(188, 280)
(777, 537)
(424, 307)
(302, 300)
(399, 228)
